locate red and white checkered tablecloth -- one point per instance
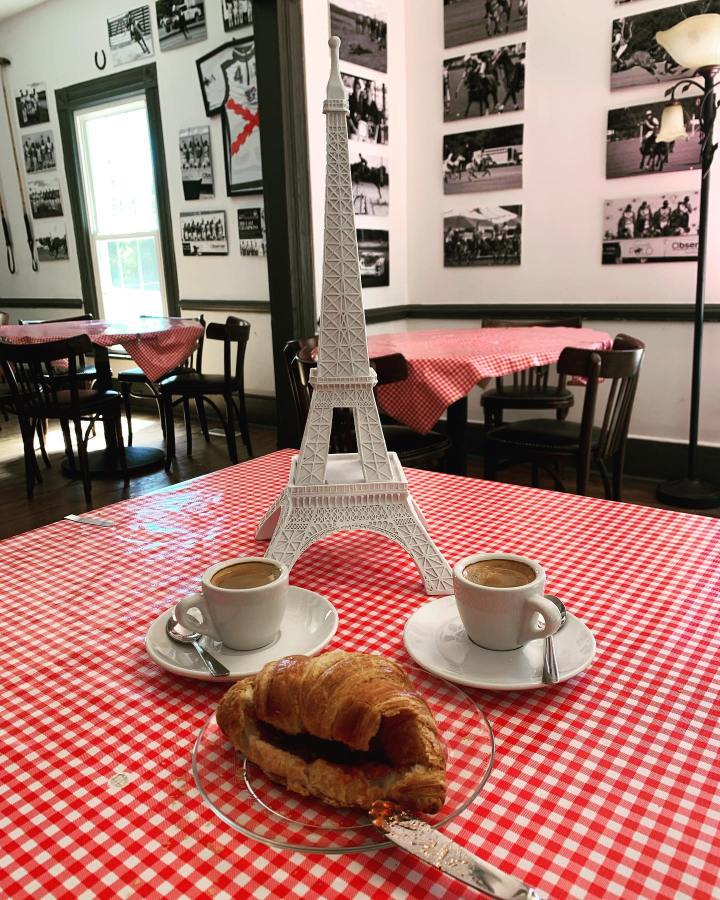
(605, 786)
(444, 365)
(157, 345)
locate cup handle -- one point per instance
(196, 601)
(549, 612)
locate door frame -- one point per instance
(97, 92)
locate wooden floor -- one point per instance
(57, 496)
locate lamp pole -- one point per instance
(692, 492)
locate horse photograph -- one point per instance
(647, 229)
(130, 36)
(51, 241)
(484, 83)
(475, 20)
(486, 160)
(635, 56)
(370, 183)
(362, 28)
(633, 148)
(484, 236)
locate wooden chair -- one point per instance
(86, 371)
(530, 388)
(413, 449)
(195, 385)
(548, 443)
(135, 376)
(5, 400)
(38, 393)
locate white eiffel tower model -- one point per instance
(367, 490)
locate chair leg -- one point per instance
(41, 442)
(65, 426)
(244, 424)
(126, 390)
(535, 475)
(230, 427)
(121, 449)
(188, 424)
(200, 405)
(84, 466)
(489, 465)
(617, 476)
(30, 462)
(607, 486)
(169, 431)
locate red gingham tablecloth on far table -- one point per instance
(444, 365)
(157, 345)
(605, 786)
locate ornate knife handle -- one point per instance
(433, 847)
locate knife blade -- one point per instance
(422, 840)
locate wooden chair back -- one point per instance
(620, 368)
(234, 331)
(4, 318)
(535, 378)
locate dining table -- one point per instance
(604, 785)
(157, 344)
(445, 364)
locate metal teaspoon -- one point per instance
(550, 674)
(180, 635)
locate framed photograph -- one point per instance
(196, 163)
(374, 256)
(475, 20)
(251, 231)
(229, 84)
(130, 36)
(635, 56)
(483, 83)
(44, 194)
(39, 151)
(648, 229)
(370, 183)
(632, 148)
(31, 104)
(236, 13)
(368, 117)
(361, 25)
(483, 236)
(204, 233)
(51, 240)
(180, 22)
(487, 160)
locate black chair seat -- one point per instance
(545, 434)
(89, 402)
(191, 383)
(408, 443)
(137, 376)
(525, 397)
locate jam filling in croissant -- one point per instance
(347, 728)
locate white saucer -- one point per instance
(309, 624)
(437, 641)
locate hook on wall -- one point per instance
(100, 55)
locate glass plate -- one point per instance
(241, 795)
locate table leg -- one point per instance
(457, 414)
(105, 463)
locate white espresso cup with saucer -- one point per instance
(242, 604)
(501, 602)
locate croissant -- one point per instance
(347, 728)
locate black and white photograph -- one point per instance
(39, 151)
(229, 86)
(204, 233)
(374, 255)
(635, 56)
(361, 26)
(370, 183)
(633, 148)
(368, 116)
(51, 240)
(130, 36)
(648, 229)
(483, 83)
(31, 104)
(251, 231)
(180, 22)
(44, 194)
(236, 13)
(475, 20)
(484, 236)
(487, 160)
(196, 163)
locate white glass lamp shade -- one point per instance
(672, 124)
(694, 43)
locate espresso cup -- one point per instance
(503, 607)
(242, 603)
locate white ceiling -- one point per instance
(10, 7)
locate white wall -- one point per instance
(55, 43)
